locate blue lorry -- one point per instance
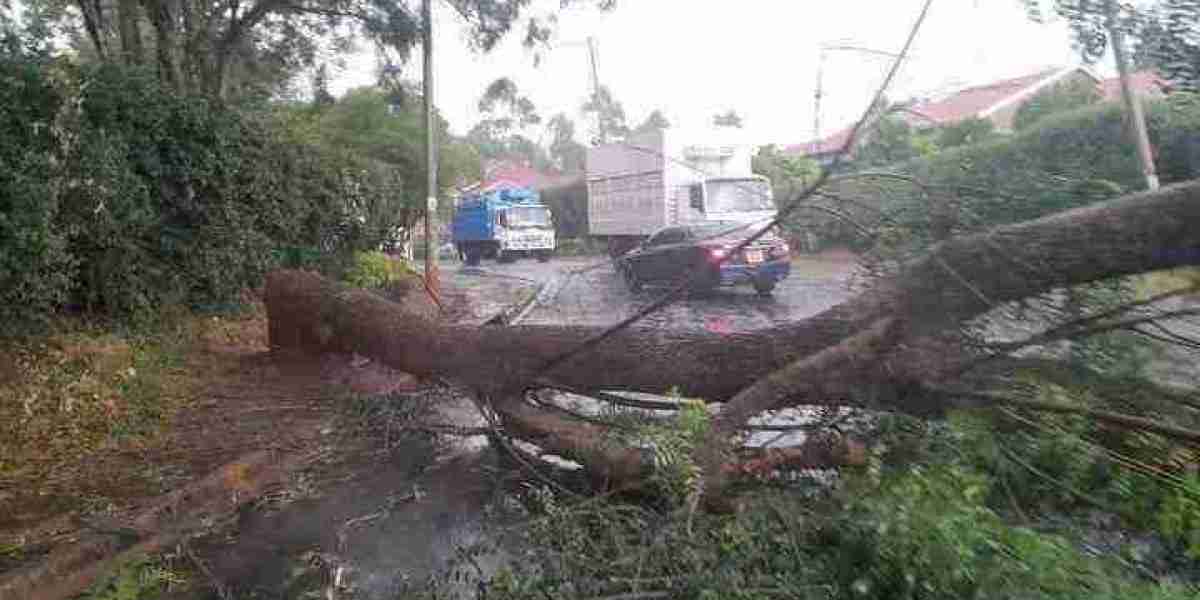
(503, 223)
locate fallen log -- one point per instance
(960, 279)
(878, 350)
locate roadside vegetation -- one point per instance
(145, 196)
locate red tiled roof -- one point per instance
(513, 174)
(1143, 82)
(970, 102)
(827, 145)
(960, 105)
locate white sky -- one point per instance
(693, 58)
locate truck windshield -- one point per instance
(528, 216)
(738, 195)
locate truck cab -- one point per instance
(745, 199)
(503, 223)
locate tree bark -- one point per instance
(234, 34)
(159, 12)
(93, 23)
(131, 35)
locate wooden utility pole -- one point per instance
(431, 216)
(599, 137)
(1133, 105)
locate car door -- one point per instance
(661, 261)
(645, 261)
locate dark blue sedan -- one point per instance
(709, 250)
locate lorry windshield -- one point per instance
(528, 216)
(738, 195)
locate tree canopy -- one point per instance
(1162, 32)
(729, 118)
(227, 48)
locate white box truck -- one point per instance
(657, 179)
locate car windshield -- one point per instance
(738, 195)
(528, 216)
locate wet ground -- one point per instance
(587, 291)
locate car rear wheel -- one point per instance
(631, 279)
(764, 288)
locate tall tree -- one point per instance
(729, 118)
(1163, 32)
(388, 142)
(1165, 39)
(654, 121)
(608, 116)
(503, 133)
(227, 47)
(321, 95)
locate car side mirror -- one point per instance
(696, 197)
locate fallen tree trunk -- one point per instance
(1133, 234)
(878, 350)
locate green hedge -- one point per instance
(118, 196)
(35, 265)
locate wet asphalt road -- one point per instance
(587, 291)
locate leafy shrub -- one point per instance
(35, 265)
(927, 533)
(120, 196)
(922, 533)
(375, 270)
(1066, 160)
(137, 580)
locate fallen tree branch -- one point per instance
(877, 350)
(989, 399)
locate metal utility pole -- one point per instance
(431, 217)
(1133, 104)
(816, 134)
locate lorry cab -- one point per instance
(742, 199)
(503, 223)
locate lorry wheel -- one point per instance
(631, 279)
(543, 256)
(764, 288)
(471, 256)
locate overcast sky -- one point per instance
(694, 58)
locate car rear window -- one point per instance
(728, 228)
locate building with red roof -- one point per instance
(997, 101)
(516, 173)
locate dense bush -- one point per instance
(118, 196)
(375, 269)
(1065, 160)
(919, 533)
(35, 265)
